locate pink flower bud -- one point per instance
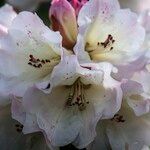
(63, 19)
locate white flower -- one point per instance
(108, 33)
(80, 96)
(124, 131)
(29, 52)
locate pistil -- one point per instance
(77, 96)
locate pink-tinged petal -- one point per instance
(77, 5)
(3, 30)
(94, 8)
(7, 14)
(136, 92)
(63, 19)
(136, 97)
(126, 71)
(144, 19)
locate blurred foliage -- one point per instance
(42, 12)
(2, 2)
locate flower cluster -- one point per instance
(84, 80)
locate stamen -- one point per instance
(118, 118)
(108, 41)
(36, 62)
(76, 96)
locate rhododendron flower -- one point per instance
(80, 96)
(144, 20)
(63, 83)
(130, 127)
(29, 52)
(103, 28)
(108, 33)
(124, 131)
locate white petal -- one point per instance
(138, 96)
(133, 133)
(144, 19)
(27, 119)
(10, 138)
(28, 37)
(72, 70)
(117, 24)
(7, 14)
(60, 124)
(97, 7)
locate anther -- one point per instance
(39, 65)
(111, 48)
(47, 60)
(29, 63)
(31, 56)
(43, 61)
